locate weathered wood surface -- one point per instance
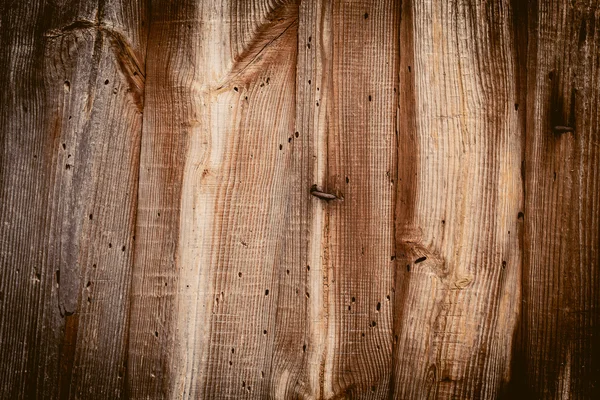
(71, 113)
(300, 199)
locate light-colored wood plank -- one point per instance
(459, 197)
(218, 292)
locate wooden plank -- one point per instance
(561, 322)
(166, 124)
(71, 118)
(459, 198)
(360, 101)
(219, 279)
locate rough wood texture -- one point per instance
(459, 263)
(394, 199)
(72, 82)
(561, 303)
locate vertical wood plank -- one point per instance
(218, 298)
(254, 309)
(561, 322)
(360, 98)
(74, 81)
(459, 198)
(167, 122)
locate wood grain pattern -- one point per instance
(460, 193)
(71, 122)
(562, 206)
(360, 168)
(293, 199)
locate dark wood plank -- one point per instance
(561, 303)
(72, 86)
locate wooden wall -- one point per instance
(300, 199)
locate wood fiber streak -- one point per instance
(561, 322)
(70, 127)
(459, 197)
